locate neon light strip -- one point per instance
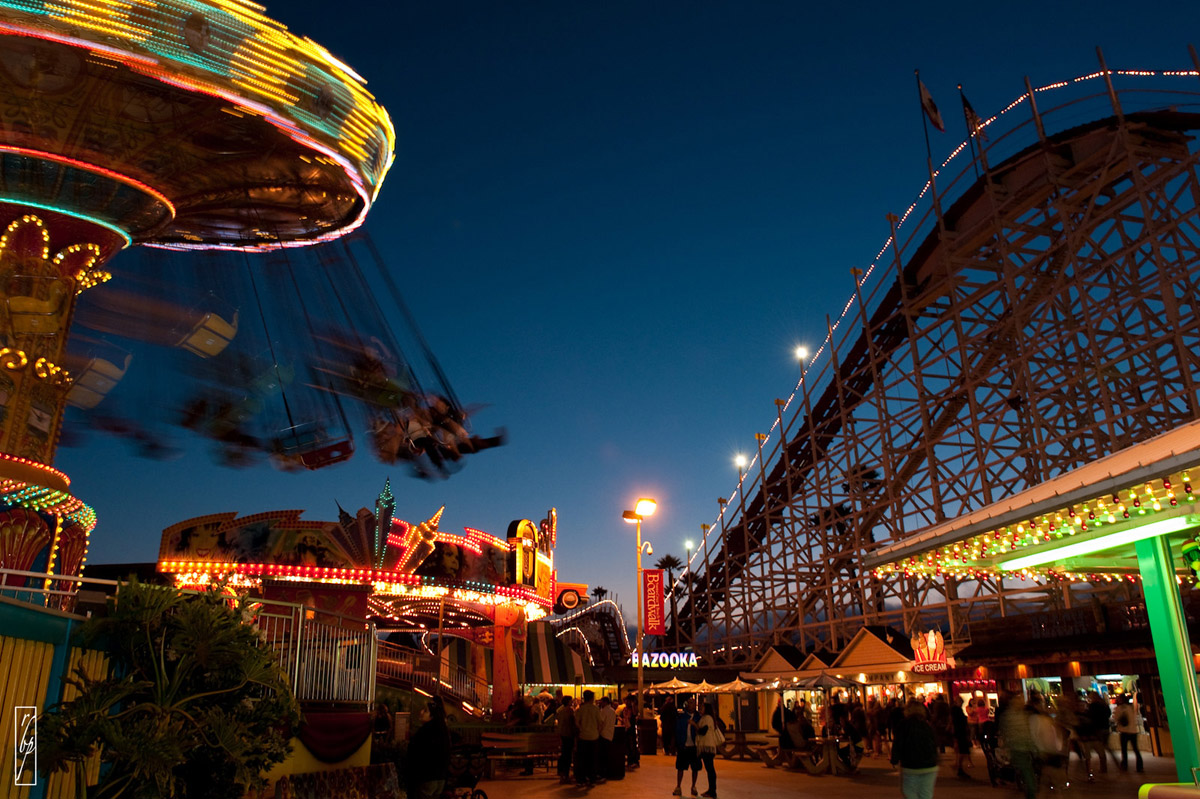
(268, 61)
(1134, 534)
(84, 165)
(74, 214)
(37, 465)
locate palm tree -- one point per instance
(670, 563)
(599, 592)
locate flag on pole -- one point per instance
(931, 109)
(974, 123)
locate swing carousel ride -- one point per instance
(201, 126)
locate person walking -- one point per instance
(914, 750)
(962, 740)
(1018, 740)
(666, 717)
(707, 742)
(1099, 715)
(686, 756)
(1048, 747)
(564, 722)
(633, 752)
(608, 727)
(587, 725)
(427, 764)
(1127, 729)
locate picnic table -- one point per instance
(737, 744)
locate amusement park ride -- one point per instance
(408, 578)
(187, 126)
(1031, 313)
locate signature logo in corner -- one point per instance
(25, 746)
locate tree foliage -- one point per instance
(194, 705)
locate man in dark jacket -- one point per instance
(915, 750)
(1099, 715)
(667, 715)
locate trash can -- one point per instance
(614, 767)
(647, 730)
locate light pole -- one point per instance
(687, 581)
(644, 507)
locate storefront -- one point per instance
(1128, 517)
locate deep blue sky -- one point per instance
(615, 220)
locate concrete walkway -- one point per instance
(875, 778)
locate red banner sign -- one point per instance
(652, 595)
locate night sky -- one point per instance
(614, 222)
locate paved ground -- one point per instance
(875, 778)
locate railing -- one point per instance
(421, 670)
(334, 655)
(55, 591)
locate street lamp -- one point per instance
(687, 580)
(802, 354)
(644, 507)
(739, 461)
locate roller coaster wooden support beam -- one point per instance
(1054, 321)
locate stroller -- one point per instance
(468, 764)
(1000, 770)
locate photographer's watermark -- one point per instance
(25, 746)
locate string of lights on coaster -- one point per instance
(567, 623)
(230, 50)
(964, 559)
(715, 528)
(587, 648)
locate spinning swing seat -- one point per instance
(309, 446)
(210, 336)
(94, 382)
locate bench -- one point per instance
(770, 754)
(527, 749)
(360, 782)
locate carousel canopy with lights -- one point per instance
(404, 575)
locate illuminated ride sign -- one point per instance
(929, 653)
(666, 660)
(410, 570)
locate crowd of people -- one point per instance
(1040, 736)
(587, 729)
(1029, 743)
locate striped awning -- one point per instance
(549, 661)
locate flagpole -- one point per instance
(970, 131)
(924, 124)
(937, 203)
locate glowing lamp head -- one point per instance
(740, 461)
(689, 545)
(801, 353)
(645, 507)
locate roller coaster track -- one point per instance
(1045, 318)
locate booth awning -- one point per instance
(549, 661)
